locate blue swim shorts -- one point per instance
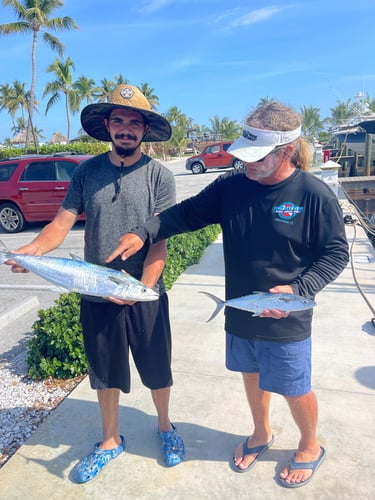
(283, 367)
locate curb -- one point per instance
(15, 313)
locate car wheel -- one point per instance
(11, 218)
(237, 164)
(197, 168)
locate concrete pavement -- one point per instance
(209, 408)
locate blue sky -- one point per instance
(207, 57)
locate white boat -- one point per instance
(350, 135)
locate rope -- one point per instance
(354, 222)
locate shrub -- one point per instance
(56, 348)
(87, 148)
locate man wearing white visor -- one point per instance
(283, 231)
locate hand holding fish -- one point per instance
(129, 244)
(276, 313)
(275, 304)
(30, 249)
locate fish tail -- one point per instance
(219, 305)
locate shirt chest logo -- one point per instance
(287, 210)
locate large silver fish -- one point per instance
(77, 275)
(257, 302)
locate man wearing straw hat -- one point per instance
(117, 190)
(283, 231)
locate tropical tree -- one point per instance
(224, 128)
(148, 92)
(62, 85)
(174, 115)
(120, 80)
(18, 99)
(15, 98)
(85, 88)
(342, 112)
(35, 16)
(103, 92)
(19, 125)
(5, 100)
(181, 126)
(265, 100)
(311, 122)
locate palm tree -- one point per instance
(63, 84)
(19, 125)
(34, 16)
(85, 87)
(265, 100)
(148, 92)
(342, 112)
(104, 91)
(174, 115)
(230, 130)
(5, 99)
(119, 80)
(311, 122)
(225, 129)
(13, 98)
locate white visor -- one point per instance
(256, 143)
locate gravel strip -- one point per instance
(25, 403)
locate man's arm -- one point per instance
(128, 245)
(51, 237)
(152, 268)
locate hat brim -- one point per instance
(240, 149)
(92, 120)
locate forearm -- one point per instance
(322, 272)
(154, 263)
(181, 218)
(53, 234)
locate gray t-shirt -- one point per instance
(143, 189)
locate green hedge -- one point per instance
(56, 348)
(87, 148)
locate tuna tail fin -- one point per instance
(219, 305)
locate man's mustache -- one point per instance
(126, 136)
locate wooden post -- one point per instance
(368, 154)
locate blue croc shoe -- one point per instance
(172, 446)
(90, 466)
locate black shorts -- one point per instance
(109, 330)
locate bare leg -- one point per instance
(305, 413)
(259, 402)
(161, 402)
(109, 403)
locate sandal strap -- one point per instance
(173, 447)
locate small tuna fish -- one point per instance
(257, 302)
(77, 275)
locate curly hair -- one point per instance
(277, 116)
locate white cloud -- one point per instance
(154, 5)
(255, 16)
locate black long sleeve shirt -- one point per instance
(290, 233)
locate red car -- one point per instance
(213, 156)
(32, 187)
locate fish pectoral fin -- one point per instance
(117, 280)
(74, 256)
(123, 271)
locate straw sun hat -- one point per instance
(128, 97)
